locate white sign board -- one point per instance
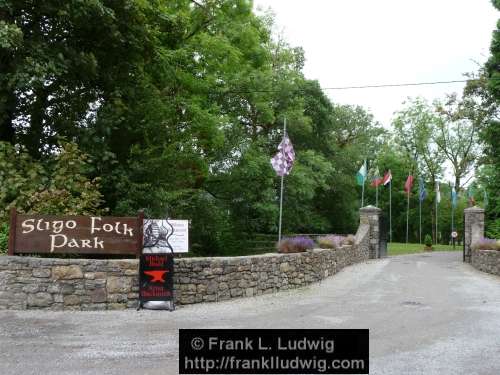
(454, 234)
(160, 230)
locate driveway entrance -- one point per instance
(427, 314)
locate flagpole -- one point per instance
(407, 211)
(420, 218)
(407, 214)
(452, 222)
(437, 235)
(281, 208)
(363, 193)
(390, 210)
(281, 190)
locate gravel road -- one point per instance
(427, 314)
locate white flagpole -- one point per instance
(390, 209)
(437, 235)
(420, 217)
(363, 193)
(281, 190)
(407, 212)
(452, 220)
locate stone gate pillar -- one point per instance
(473, 229)
(371, 215)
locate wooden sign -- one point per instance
(156, 277)
(75, 234)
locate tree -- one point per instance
(457, 134)
(491, 134)
(180, 105)
(414, 127)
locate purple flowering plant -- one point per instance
(295, 244)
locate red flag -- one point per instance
(387, 177)
(409, 183)
(376, 182)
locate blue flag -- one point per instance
(453, 197)
(421, 189)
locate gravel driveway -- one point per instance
(427, 314)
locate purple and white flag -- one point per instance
(283, 160)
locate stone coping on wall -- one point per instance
(486, 261)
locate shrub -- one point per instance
(493, 228)
(349, 240)
(58, 185)
(428, 240)
(295, 244)
(4, 238)
(330, 242)
(486, 244)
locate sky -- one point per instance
(367, 42)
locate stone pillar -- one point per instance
(473, 229)
(371, 215)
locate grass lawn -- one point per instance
(398, 248)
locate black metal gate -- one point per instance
(383, 235)
(466, 249)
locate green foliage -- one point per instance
(490, 90)
(4, 238)
(493, 229)
(58, 186)
(179, 106)
(428, 240)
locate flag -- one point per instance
(438, 193)
(376, 179)
(421, 189)
(453, 197)
(387, 177)
(409, 183)
(361, 175)
(470, 195)
(282, 162)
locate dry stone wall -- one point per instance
(483, 260)
(217, 279)
(67, 284)
(487, 261)
(97, 284)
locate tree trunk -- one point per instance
(35, 139)
(7, 116)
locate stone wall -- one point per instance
(487, 261)
(217, 279)
(97, 284)
(473, 229)
(67, 284)
(370, 215)
(483, 260)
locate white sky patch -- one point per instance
(363, 42)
